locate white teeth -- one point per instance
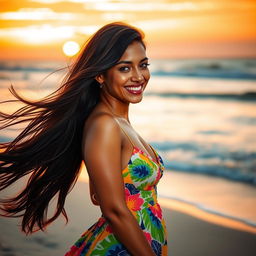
(134, 88)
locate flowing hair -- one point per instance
(49, 148)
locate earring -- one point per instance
(101, 85)
(94, 197)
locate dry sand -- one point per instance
(188, 235)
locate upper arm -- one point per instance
(102, 155)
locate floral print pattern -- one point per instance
(140, 179)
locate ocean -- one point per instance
(199, 114)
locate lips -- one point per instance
(135, 89)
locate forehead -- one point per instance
(134, 52)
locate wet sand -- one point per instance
(187, 235)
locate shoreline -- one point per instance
(218, 200)
(211, 217)
(187, 234)
(175, 191)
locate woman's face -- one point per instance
(127, 80)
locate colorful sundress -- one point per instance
(140, 179)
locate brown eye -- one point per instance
(144, 65)
(124, 69)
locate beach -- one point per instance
(189, 234)
(200, 115)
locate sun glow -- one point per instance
(71, 48)
(38, 34)
(36, 14)
(172, 28)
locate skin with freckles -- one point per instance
(107, 150)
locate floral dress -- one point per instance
(140, 179)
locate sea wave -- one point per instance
(242, 69)
(245, 96)
(207, 68)
(236, 165)
(224, 74)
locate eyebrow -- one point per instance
(129, 62)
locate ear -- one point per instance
(100, 79)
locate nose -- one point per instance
(137, 76)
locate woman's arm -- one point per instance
(102, 155)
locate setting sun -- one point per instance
(173, 29)
(190, 178)
(71, 48)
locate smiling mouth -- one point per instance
(134, 89)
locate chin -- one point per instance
(134, 101)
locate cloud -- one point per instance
(161, 24)
(71, 1)
(38, 34)
(148, 6)
(139, 5)
(45, 33)
(36, 14)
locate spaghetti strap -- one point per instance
(129, 138)
(140, 178)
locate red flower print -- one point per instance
(156, 210)
(109, 229)
(101, 221)
(127, 192)
(73, 249)
(134, 202)
(148, 236)
(158, 177)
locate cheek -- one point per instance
(146, 74)
(120, 80)
(116, 82)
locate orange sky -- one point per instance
(37, 29)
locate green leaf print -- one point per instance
(146, 194)
(138, 216)
(108, 246)
(142, 185)
(126, 173)
(153, 225)
(140, 170)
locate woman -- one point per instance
(87, 120)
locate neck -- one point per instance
(116, 107)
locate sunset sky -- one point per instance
(37, 29)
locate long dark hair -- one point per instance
(49, 148)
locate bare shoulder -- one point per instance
(101, 122)
(101, 127)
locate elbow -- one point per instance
(115, 214)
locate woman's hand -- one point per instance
(102, 156)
